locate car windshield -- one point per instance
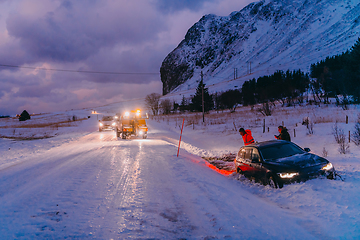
(107, 118)
(280, 151)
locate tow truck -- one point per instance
(132, 123)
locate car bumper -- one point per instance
(107, 127)
(307, 175)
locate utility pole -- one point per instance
(202, 96)
(249, 67)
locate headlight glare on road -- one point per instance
(288, 175)
(327, 167)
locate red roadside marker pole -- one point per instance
(180, 137)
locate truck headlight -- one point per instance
(288, 175)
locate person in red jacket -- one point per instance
(246, 135)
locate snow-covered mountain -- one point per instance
(263, 37)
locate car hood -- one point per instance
(300, 160)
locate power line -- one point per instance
(78, 71)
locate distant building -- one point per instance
(24, 116)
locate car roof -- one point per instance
(267, 143)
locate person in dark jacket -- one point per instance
(246, 135)
(284, 135)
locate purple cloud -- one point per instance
(98, 35)
(178, 5)
(76, 30)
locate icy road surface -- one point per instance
(101, 187)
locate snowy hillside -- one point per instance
(263, 37)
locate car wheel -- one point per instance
(117, 133)
(100, 130)
(271, 181)
(238, 170)
(144, 136)
(123, 136)
(331, 176)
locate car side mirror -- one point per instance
(307, 149)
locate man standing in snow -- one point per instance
(284, 135)
(246, 135)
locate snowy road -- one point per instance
(100, 187)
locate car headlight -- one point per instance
(141, 132)
(101, 124)
(327, 167)
(288, 175)
(113, 124)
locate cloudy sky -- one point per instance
(115, 36)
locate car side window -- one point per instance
(255, 155)
(248, 153)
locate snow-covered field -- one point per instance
(84, 184)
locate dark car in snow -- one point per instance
(278, 162)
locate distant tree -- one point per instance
(184, 105)
(166, 106)
(353, 71)
(230, 99)
(356, 134)
(217, 101)
(338, 75)
(197, 99)
(152, 101)
(175, 106)
(295, 84)
(248, 92)
(285, 87)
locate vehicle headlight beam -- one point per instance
(288, 175)
(327, 167)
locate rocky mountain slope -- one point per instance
(263, 37)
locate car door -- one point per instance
(245, 160)
(240, 161)
(256, 164)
